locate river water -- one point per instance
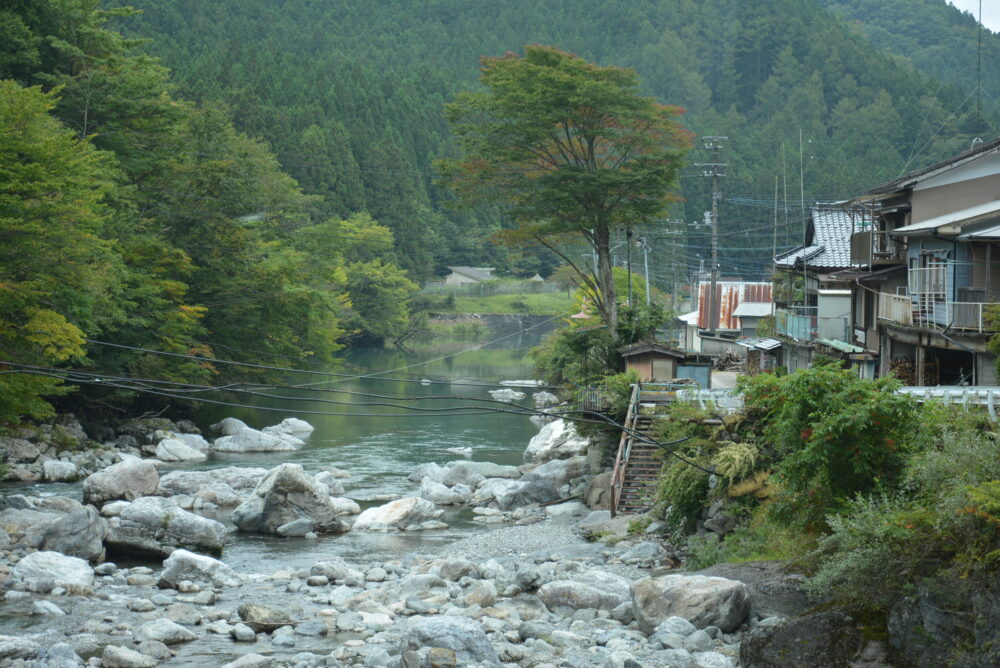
(379, 445)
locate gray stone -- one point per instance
(263, 618)
(699, 641)
(704, 601)
(68, 527)
(598, 493)
(115, 656)
(142, 429)
(713, 660)
(462, 635)
(184, 565)
(18, 450)
(331, 481)
(296, 528)
(441, 494)
(286, 494)
(154, 526)
(677, 625)
(592, 589)
(524, 493)
(336, 570)
(226, 486)
(59, 655)
(243, 633)
(283, 637)
(250, 661)
(126, 480)
(165, 631)
(47, 608)
(825, 639)
(155, 649)
(13, 647)
(644, 551)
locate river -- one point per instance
(379, 445)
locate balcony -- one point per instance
(802, 324)
(934, 314)
(875, 247)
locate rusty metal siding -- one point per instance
(730, 295)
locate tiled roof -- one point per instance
(830, 246)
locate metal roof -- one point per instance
(980, 213)
(909, 180)
(753, 310)
(478, 273)
(842, 346)
(830, 246)
(759, 344)
(988, 233)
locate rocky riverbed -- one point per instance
(529, 590)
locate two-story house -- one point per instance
(926, 250)
(813, 304)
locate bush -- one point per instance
(833, 436)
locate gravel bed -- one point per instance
(512, 541)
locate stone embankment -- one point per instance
(529, 592)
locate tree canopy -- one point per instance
(569, 149)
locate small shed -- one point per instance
(465, 275)
(750, 314)
(655, 362)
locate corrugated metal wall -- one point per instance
(730, 295)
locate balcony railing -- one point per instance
(934, 314)
(805, 325)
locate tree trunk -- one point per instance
(608, 304)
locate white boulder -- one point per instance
(507, 394)
(42, 571)
(156, 526)
(183, 565)
(127, 480)
(55, 470)
(443, 495)
(176, 450)
(398, 514)
(292, 426)
(556, 440)
(702, 600)
(287, 493)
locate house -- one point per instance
(465, 275)
(654, 362)
(812, 299)
(750, 314)
(927, 251)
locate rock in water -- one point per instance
(115, 656)
(126, 480)
(175, 450)
(165, 631)
(58, 471)
(183, 565)
(42, 571)
(156, 526)
(556, 440)
(461, 635)
(507, 395)
(263, 618)
(287, 493)
(292, 426)
(398, 514)
(702, 600)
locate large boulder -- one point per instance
(18, 450)
(286, 494)
(251, 440)
(57, 524)
(263, 618)
(598, 494)
(702, 600)
(194, 440)
(590, 589)
(55, 470)
(291, 426)
(43, 571)
(398, 514)
(183, 565)
(227, 486)
(558, 472)
(176, 450)
(442, 495)
(775, 590)
(154, 526)
(126, 480)
(144, 429)
(826, 639)
(492, 489)
(461, 635)
(525, 493)
(556, 440)
(484, 469)
(165, 631)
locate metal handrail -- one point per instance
(624, 449)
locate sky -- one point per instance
(991, 11)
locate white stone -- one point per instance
(174, 450)
(115, 656)
(127, 480)
(183, 565)
(165, 631)
(55, 470)
(398, 514)
(293, 426)
(251, 440)
(507, 395)
(704, 601)
(545, 399)
(41, 571)
(556, 440)
(440, 494)
(345, 506)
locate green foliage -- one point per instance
(569, 148)
(762, 538)
(639, 525)
(681, 491)
(833, 434)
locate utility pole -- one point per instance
(645, 264)
(714, 169)
(628, 261)
(774, 239)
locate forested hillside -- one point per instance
(135, 223)
(351, 93)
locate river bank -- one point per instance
(532, 593)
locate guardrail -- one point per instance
(731, 401)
